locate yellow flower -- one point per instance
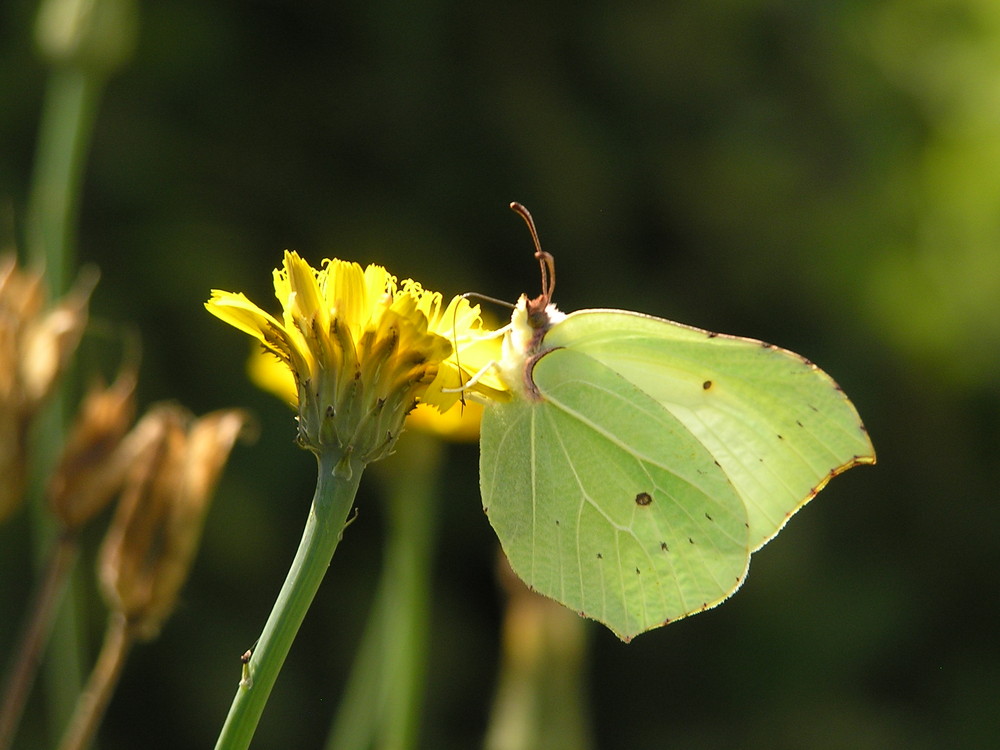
(364, 350)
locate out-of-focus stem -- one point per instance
(65, 132)
(118, 640)
(27, 652)
(68, 115)
(382, 701)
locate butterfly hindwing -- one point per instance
(603, 500)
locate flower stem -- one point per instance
(335, 491)
(37, 626)
(68, 116)
(118, 640)
(64, 138)
(382, 700)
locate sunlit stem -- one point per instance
(335, 491)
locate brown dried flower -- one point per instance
(35, 347)
(150, 545)
(95, 458)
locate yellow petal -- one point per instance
(305, 301)
(241, 313)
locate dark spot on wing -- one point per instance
(643, 498)
(691, 540)
(707, 384)
(709, 517)
(781, 437)
(600, 556)
(799, 423)
(664, 547)
(712, 335)
(637, 572)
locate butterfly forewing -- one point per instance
(778, 426)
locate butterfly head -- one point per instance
(539, 310)
(532, 318)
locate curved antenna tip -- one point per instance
(545, 260)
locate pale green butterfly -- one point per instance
(640, 462)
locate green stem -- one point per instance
(336, 487)
(67, 124)
(381, 703)
(413, 518)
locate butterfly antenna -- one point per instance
(545, 261)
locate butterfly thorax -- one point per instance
(524, 344)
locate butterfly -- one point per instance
(640, 462)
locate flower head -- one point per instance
(364, 350)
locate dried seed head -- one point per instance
(35, 347)
(95, 458)
(50, 340)
(150, 545)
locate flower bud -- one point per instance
(96, 35)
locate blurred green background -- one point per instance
(824, 176)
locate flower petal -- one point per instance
(234, 308)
